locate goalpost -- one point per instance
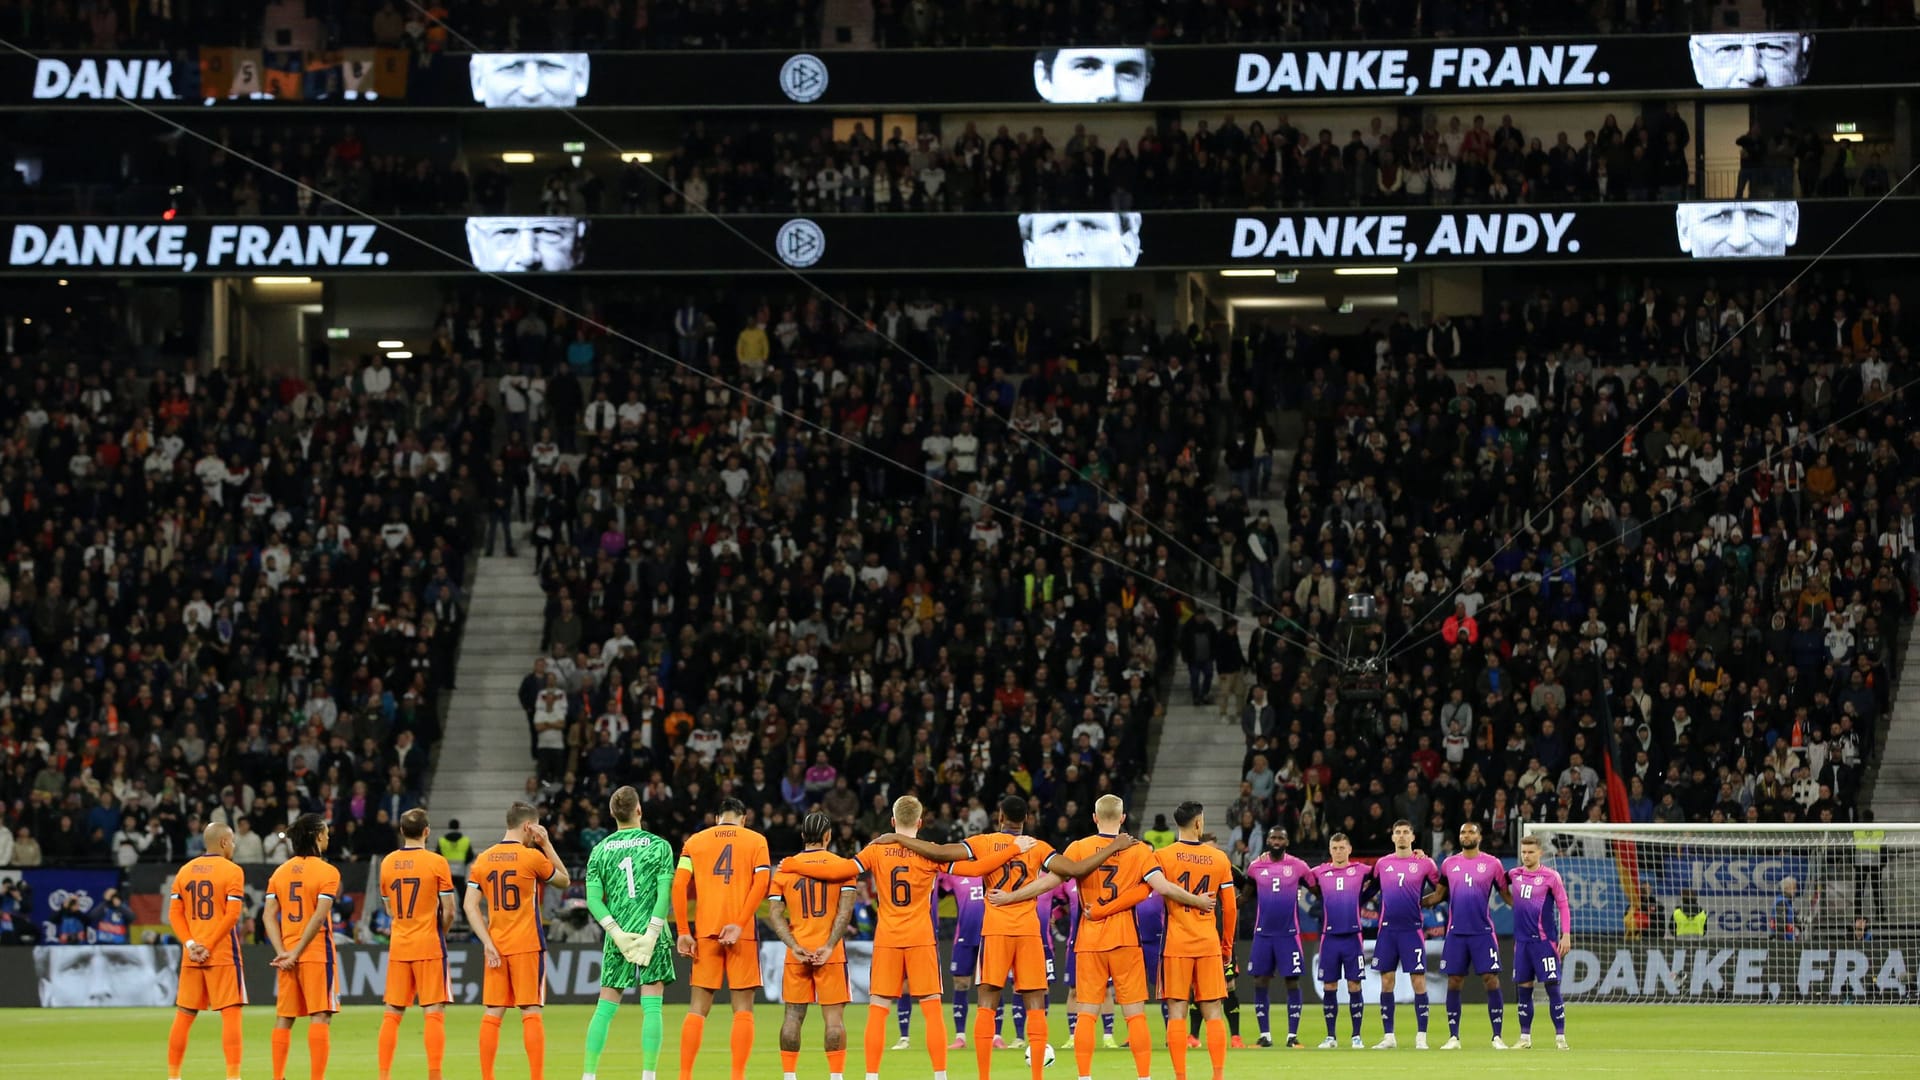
(1740, 913)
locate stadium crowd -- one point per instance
(1718, 600)
(745, 24)
(225, 597)
(742, 605)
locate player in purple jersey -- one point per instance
(1467, 883)
(1340, 882)
(1277, 879)
(1150, 923)
(1404, 878)
(1541, 936)
(969, 904)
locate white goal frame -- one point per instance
(1628, 948)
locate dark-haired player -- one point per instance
(1467, 882)
(299, 913)
(1277, 879)
(504, 889)
(811, 917)
(726, 869)
(1404, 878)
(416, 885)
(1193, 959)
(630, 893)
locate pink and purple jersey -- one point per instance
(1150, 922)
(1531, 917)
(1340, 888)
(1470, 884)
(1403, 880)
(969, 904)
(1276, 890)
(1064, 895)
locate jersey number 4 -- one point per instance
(1186, 882)
(723, 865)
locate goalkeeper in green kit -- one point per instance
(630, 892)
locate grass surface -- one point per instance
(1614, 1040)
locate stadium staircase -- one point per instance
(1895, 794)
(487, 756)
(1198, 754)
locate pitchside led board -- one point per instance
(1615, 66)
(1412, 238)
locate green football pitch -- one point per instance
(1614, 1040)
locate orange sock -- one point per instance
(319, 1041)
(436, 1042)
(489, 1044)
(691, 1029)
(836, 1063)
(282, 1043)
(1177, 1042)
(741, 1044)
(533, 1036)
(1083, 1039)
(177, 1041)
(1217, 1046)
(935, 1012)
(789, 1062)
(983, 1041)
(233, 1039)
(389, 1041)
(1037, 1035)
(1140, 1044)
(876, 1036)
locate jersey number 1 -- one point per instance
(627, 865)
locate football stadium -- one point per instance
(807, 539)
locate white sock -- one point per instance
(586, 1076)
(836, 1076)
(939, 1076)
(873, 1076)
(649, 1076)
(789, 1076)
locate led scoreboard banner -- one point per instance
(1411, 237)
(1508, 68)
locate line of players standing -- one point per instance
(1147, 921)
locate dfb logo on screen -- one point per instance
(803, 78)
(800, 243)
(139, 80)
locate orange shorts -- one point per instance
(1024, 956)
(519, 981)
(739, 962)
(213, 987)
(426, 979)
(1124, 966)
(308, 989)
(805, 984)
(1193, 978)
(915, 968)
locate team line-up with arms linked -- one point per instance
(1151, 923)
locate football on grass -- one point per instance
(1048, 1060)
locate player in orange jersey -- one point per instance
(204, 909)
(299, 916)
(1108, 948)
(906, 954)
(510, 878)
(417, 887)
(1010, 933)
(1194, 957)
(727, 870)
(811, 917)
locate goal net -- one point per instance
(1753, 913)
